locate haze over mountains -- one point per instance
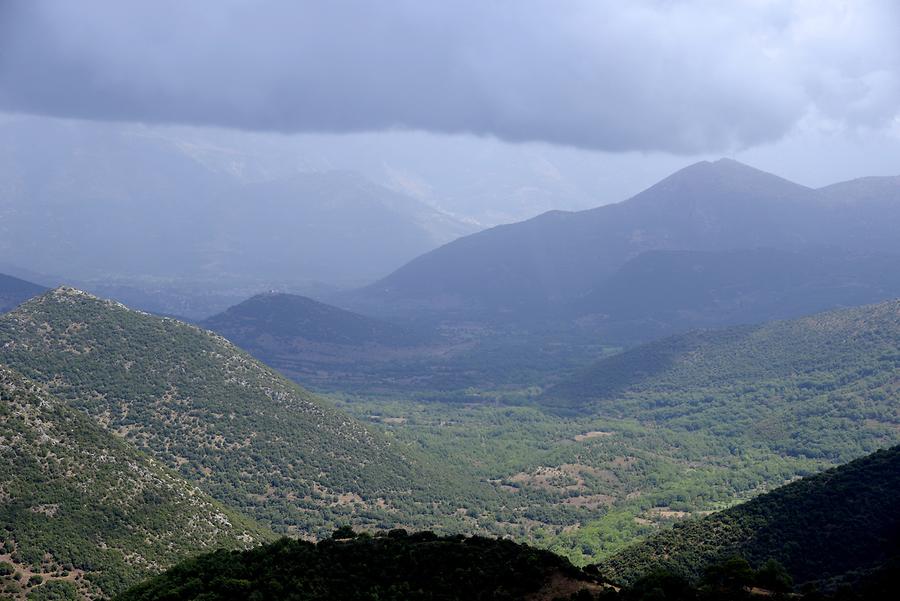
(151, 205)
(258, 344)
(14, 291)
(558, 257)
(319, 344)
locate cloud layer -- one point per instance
(678, 76)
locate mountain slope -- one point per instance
(781, 363)
(841, 523)
(82, 507)
(663, 292)
(718, 206)
(246, 435)
(14, 291)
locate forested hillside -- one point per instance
(320, 345)
(848, 358)
(810, 539)
(82, 511)
(836, 526)
(246, 435)
(285, 317)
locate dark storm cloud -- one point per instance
(688, 76)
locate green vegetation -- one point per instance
(835, 532)
(391, 566)
(396, 566)
(624, 451)
(242, 433)
(838, 525)
(584, 487)
(687, 425)
(80, 509)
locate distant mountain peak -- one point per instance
(283, 315)
(721, 180)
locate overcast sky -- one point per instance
(807, 88)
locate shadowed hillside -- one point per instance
(838, 525)
(391, 567)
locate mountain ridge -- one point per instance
(530, 266)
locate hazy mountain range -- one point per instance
(14, 291)
(561, 258)
(114, 202)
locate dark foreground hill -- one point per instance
(389, 567)
(241, 432)
(838, 526)
(86, 512)
(14, 291)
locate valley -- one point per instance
(581, 433)
(449, 301)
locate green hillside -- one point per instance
(390, 567)
(83, 511)
(246, 435)
(838, 525)
(742, 409)
(837, 531)
(793, 383)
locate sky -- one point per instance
(472, 104)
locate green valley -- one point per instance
(828, 533)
